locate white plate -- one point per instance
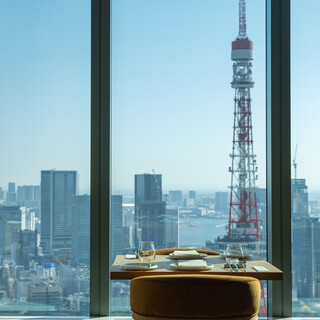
(176, 267)
(247, 256)
(138, 266)
(187, 256)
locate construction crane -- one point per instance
(295, 164)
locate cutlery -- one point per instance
(243, 263)
(234, 263)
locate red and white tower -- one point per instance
(244, 223)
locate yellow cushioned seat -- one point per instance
(194, 297)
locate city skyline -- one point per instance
(172, 118)
(47, 30)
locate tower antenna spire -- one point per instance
(242, 20)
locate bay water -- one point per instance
(195, 231)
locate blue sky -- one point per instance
(305, 105)
(172, 103)
(172, 99)
(44, 89)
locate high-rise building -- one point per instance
(11, 194)
(46, 294)
(81, 229)
(117, 230)
(299, 198)
(221, 201)
(191, 200)
(1, 194)
(66, 279)
(172, 229)
(10, 220)
(175, 197)
(28, 219)
(149, 210)
(26, 241)
(28, 196)
(302, 257)
(192, 194)
(315, 264)
(37, 193)
(303, 237)
(57, 191)
(11, 187)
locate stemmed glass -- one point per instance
(146, 251)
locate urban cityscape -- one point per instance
(45, 247)
(45, 258)
(45, 227)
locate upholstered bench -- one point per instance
(194, 297)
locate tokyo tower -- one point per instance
(244, 224)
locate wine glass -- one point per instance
(146, 251)
(234, 250)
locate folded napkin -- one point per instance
(185, 264)
(260, 268)
(138, 266)
(186, 253)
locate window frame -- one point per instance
(279, 153)
(100, 158)
(277, 144)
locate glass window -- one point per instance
(188, 127)
(305, 187)
(45, 159)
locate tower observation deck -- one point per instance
(244, 224)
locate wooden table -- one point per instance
(164, 262)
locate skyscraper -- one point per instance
(57, 191)
(302, 240)
(175, 197)
(28, 196)
(11, 194)
(10, 220)
(149, 209)
(302, 257)
(26, 241)
(299, 198)
(221, 201)
(117, 231)
(81, 229)
(11, 187)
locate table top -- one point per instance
(163, 262)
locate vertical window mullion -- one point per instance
(278, 147)
(100, 156)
